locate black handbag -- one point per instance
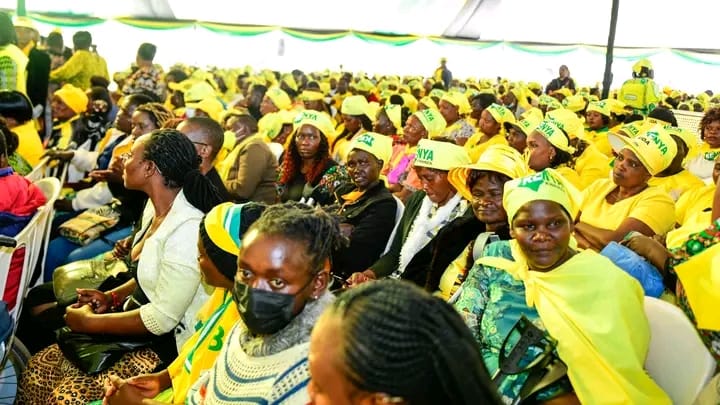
(95, 353)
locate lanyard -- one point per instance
(206, 329)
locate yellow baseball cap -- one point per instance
(24, 22)
(545, 185)
(311, 95)
(375, 144)
(528, 123)
(356, 105)
(365, 85)
(690, 139)
(394, 113)
(195, 91)
(279, 98)
(500, 114)
(556, 136)
(600, 107)
(440, 155)
(73, 97)
(211, 106)
(654, 147)
(642, 63)
(568, 121)
(433, 122)
(458, 100)
(497, 158)
(319, 120)
(437, 93)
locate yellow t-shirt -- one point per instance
(475, 149)
(693, 211)
(677, 184)
(570, 175)
(215, 320)
(599, 138)
(652, 206)
(30, 147)
(701, 162)
(592, 165)
(341, 149)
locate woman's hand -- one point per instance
(79, 319)
(358, 278)
(650, 249)
(148, 385)
(98, 301)
(62, 155)
(122, 392)
(122, 247)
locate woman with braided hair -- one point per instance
(160, 302)
(389, 342)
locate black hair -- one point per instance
(7, 30)
(146, 51)
(11, 139)
(633, 118)
(3, 145)
(397, 99)
(316, 229)
(55, 41)
(561, 157)
(664, 114)
(82, 40)
(312, 85)
(439, 85)
(485, 99)
(99, 81)
(226, 262)
(247, 120)
(100, 93)
(710, 116)
(493, 177)
(211, 131)
(15, 105)
(137, 99)
(179, 164)
(178, 74)
(365, 123)
(398, 340)
(157, 112)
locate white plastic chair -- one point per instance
(39, 171)
(677, 359)
(399, 210)
(50, 187)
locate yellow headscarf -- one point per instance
(73, 97)
(394, 113)
(458, 100)
(429, 103)
(501, 114)
(316, 119)
(555, 136)
(545, 185)
(497, 158)
(279, 98)
(355, 105)
(311, 95)
(375, 144)
(600, 107)
(433, 122)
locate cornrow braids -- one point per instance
(158, 113)
(318, 230)
(399, 340)
(178, 162)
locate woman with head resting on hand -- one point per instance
(613, 208)
(389, 342)
(482, 184)
(539, 276)
(437, 222)
(219, 241)
(163, 259)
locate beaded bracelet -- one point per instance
(115, 301)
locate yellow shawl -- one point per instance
(595, 311)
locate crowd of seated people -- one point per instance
(332, 238)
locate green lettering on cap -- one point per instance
(662, 147)
(425, 155)
(536, 180)
(546, 129)
(367, 140)
(428, 115)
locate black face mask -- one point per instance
(264, 312)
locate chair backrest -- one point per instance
(50, 187)
(39, 171)
(399, 210)
(677, 360)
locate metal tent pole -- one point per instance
(608, 77)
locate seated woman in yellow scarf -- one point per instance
(549, 146)
(701, 160)
(357, 119)
(454, 107)
(539, 276)
(481, 183)
(675, 179)
(613, 208)
(597, 118)
(693, 211)
(401, 179)
(517, 132)
(389, 122)
(275, 100)
(491, 131)
(588, 162)
(220, 239)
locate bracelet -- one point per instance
(115, 301)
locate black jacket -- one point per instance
(38, 75)
(437, 255)
(373, 219)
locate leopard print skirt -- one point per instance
(51, 379)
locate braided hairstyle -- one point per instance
(179, 164)
(318, 230)
(292, 162)
(158, 113)
(399, 340)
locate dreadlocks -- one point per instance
(158, 113)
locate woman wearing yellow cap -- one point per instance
(537, 281)
(482, 184)
(613, 208)
(548, 146)
(275, 99)
(402, 180)
(701, 161)
(492, 131)
(437, 222)
(307, 171)
(356, 120)
(675, 179)
(597, 118)
(221, 233)
(68, 103)
(389, 122)
(454, 107)
(367, 209)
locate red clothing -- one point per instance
(19, 201)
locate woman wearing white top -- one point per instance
(165, 294)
